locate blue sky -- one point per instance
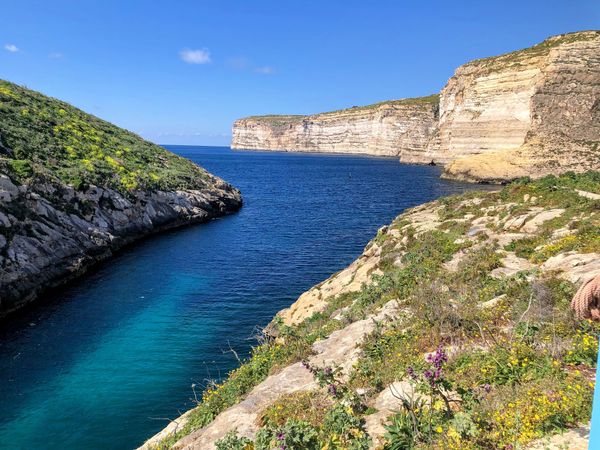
(180, 72)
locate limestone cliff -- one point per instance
(74, 189)
(531, 112)
(391, 128)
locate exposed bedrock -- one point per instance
(532, 112)
(51, 233)
(394, 128)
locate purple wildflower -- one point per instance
(438, 358)
(308, 367)
(280, 436)
(332, 389)
(328, 371)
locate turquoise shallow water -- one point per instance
(102, 363)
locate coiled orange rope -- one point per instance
(586, 302)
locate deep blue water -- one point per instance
(104, 362)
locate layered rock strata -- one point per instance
(394, 128)
(531, 112)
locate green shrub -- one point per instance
(21, 167)
(232, 441)
(53, 139)
(293, 434)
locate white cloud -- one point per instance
(195, 56)
(266, 70)
(11, 48)
(55, 55)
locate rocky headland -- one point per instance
(452, 330)
(531, 112)
(74, 189)
(388, 128)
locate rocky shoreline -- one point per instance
(74, 189)
(53, 233)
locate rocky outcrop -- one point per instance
(350, 279)
(51, 233)
(531, 112)
(401, 128)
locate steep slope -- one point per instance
(389, 128)
(74, 188)
(531, 112)
(453, 323)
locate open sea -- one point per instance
(107, 360)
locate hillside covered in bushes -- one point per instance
(44, 136)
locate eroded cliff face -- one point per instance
(531, 112)
(394, 128)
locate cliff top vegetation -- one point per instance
(462, 337)
(44, 137)
(519, 57)
(275, 119)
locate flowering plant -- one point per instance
(431, 380)
(326, 377)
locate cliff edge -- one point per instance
(530, 112)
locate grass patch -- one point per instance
(290, 119)
(521, 57)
